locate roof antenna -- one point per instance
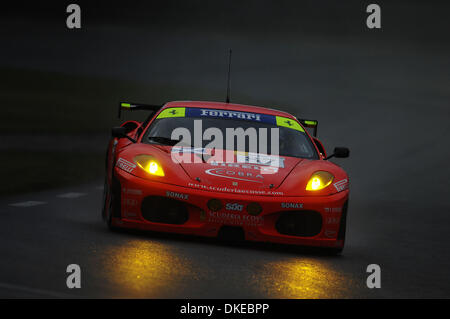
(229, 73)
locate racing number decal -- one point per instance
(289, 123)
(172, 112)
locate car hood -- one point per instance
(240, 170)
(241, 173)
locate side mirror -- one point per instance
(121, 132)
(340, 152)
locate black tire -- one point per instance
(104, 197)
(341, 233)
(107, 206)
(333, 251)
(106, 189)
(343, 224)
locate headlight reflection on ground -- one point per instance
(301, 278)
(145, 269)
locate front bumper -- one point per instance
(203, 222)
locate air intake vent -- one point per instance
(164, 210)
(303, 223)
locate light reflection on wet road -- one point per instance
(301, 278)
(141, 267)
(147, 266)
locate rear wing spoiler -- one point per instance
(310, 124)
(137, 107)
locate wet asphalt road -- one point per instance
(388, 101)
(65, 227)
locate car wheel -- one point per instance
(104, 199)
(341, 233)
(107, 206)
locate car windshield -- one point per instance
(292, 142)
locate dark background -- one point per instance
(383, 93)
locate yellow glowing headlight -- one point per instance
(149, 164)
(319, 180)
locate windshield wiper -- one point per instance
(163, 140)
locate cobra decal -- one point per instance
(219, 172)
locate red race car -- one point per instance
(269, 181)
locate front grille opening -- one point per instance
(164, 210)
(303, 223)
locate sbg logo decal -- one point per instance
(234, 207)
